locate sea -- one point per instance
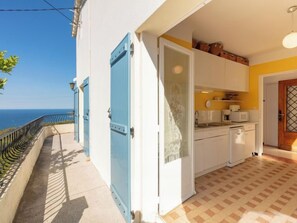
(12, 118)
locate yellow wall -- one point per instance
(201, 98)
(251, 99)
(178, 41)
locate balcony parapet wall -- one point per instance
(20, 173)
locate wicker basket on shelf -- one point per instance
(202, 46)
(216, 48)
(194, 43)
(232, 57)
(227, 55)
(242, 60)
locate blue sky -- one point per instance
(46, 49)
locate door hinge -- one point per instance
(132, 132)
(132, 49)
(109, 113)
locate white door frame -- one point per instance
(161, 124)
(259, 150)
(270, 122)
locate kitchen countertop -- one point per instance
(213, 126)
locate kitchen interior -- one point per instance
(230, 122)
(224, 133)
(224, 50)
(223, 137)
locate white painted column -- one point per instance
(149, 128)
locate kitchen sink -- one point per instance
(213, 124)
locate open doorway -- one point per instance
(272, 116)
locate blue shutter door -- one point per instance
(120, 126)
(76, 114)
(86, 116)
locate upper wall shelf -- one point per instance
(228, 101)
(208, 102)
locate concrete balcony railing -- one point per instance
(19, 150)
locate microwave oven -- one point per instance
(239, 116)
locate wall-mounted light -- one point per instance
(178, 69)
(72, 84)
(290, 40)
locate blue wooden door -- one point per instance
(76, 114)
(86, 117)
(120, 126)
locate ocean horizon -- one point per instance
(13, 118)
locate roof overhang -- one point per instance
(169, 14)
(75, 22)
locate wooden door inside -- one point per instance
(287, 115)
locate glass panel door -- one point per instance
(176, 104)
(176, 98)
(291, 109)
(287, 115)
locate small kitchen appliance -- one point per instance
(239, 116)
(226, 115)
(234, 108)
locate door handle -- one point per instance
(109, 113)
(280, 115)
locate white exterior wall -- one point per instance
(110, 22)
(103, 25)
(148, 93)
(83, 68)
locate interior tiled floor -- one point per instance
(262, 189)
(269, 150)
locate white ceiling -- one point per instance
(246, 27)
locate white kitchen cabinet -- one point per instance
(214, 72)
(250, 142)
(199, 146)
(209, 70)
(223, 151)
(210, 153)
(236, 76)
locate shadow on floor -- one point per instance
(71, 211)
(36, 190)
(46, 198)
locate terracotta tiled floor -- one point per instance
(263, 189)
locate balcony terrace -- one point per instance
(63, 187)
